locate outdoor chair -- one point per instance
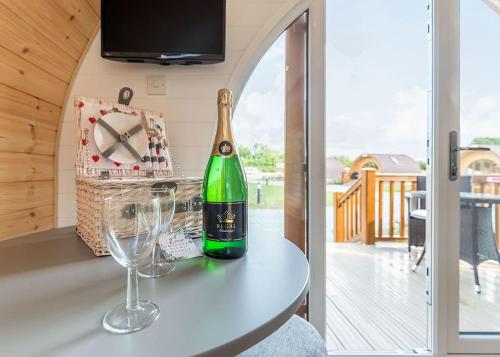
(417, 212)
(417, 215)
(477, 239)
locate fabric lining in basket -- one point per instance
(91, 163)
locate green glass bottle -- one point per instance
(225, 191)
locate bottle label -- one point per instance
(225, 222)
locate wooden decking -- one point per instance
(375, 302)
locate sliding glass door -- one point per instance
(466, 214)
(376, 171)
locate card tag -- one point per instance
(177, 245)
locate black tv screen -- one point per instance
(163, 31)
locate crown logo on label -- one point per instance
(226, 217)
(226, 148)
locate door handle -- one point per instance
(454, 150)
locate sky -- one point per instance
(377, 80)
(259, 114)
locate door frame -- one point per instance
(443, 106)
(444, 116)
(316, 194)
(446, 202)
(316, 184)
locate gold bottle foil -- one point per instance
(224, 143)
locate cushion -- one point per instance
(296, 337)
(419, 214)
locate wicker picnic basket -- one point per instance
(96, 179)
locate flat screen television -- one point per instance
(163, 31)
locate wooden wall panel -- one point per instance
(96, 6)
(20, 137)
(17, 223)
(15, 167)
(34, 47)
(52, 22)
(18, 73)
(81, 14)
(21, 107)
(15, 195)
(41, 42)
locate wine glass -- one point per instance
(159, 266)
(128, 221)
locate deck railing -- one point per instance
(394, 183)
(354, 210)
(359, 212)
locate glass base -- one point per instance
(155, 270)
(121, 320)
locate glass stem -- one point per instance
(157, 253)
(132, 289)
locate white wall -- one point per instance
(190, 102)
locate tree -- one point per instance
(260, 156)
(245, 153)
(486, 141)
(344, 160)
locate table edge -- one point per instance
(258, 334)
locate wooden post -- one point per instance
(391, 209)
(358, 225)
(348, 231)
(356, 210)
(368, 206)
(380, 208)
(346, 177)
(402, 216)
(339, 218)
(353, 219)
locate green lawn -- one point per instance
(272, 196)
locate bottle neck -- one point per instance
(224, 142)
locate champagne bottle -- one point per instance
(225, 191)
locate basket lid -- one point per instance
(115, 140)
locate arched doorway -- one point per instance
(270, 125)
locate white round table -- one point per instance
(55, 292)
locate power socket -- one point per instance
(156, 85)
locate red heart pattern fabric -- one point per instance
(90, 161)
